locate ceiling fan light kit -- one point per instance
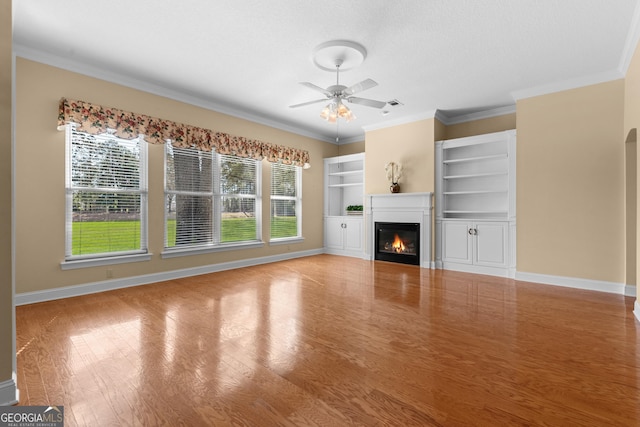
(336, 55)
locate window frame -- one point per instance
(105, 258)
(215, 245)
(298, 207)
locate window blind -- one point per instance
(188, 197)
(238, 187)
(286, 203)
(210, 198)
(106, 195)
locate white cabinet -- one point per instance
(475, 204)
(475, 243)
(343, 235)
(344, 187)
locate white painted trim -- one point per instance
(478, 115)
(444, 118)
(199, 250)
(96, 262)
(477, 269)
(285, 241)
(351, 140)
(632, 41)
(14, 115)
(636, 309)
(400, 121)
(574, 83)
(9, 394)
(572, 282)
(630, 290)
(108, 285)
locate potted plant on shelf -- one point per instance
(354, 210)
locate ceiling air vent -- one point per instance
(394, 103)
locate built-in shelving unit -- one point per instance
(344, 182)
(475, 203)
(344, 186)
(474, 178)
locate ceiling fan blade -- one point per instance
(367, 102)
(359, 87)
(308, 103)
(316, 88)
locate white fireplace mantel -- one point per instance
(401, 207)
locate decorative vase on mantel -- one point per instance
(394, 173)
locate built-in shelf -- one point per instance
(344, 187)
(504, 213)
(351, 184)
(475, 159)
(463, 193)
(475, 204)
(358, 172)
(476, 175)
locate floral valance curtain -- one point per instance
(95, 119)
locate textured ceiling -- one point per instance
(247, 57)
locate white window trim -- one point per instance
(91, 260)
(207, 249)
(293, 239)
(216, 195)
(72, 264)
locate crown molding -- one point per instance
(568, 84)
(155, 89)
(351, 140)
(633, 37)
(401, 121)
(477, 115)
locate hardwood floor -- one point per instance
(334, 341)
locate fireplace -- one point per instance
(397, 242)
(398, 210)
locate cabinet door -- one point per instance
(456, 242)
(353, 234)
(333, 232)
(491, 243)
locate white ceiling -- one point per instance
(247, 57)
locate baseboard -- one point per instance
(574, 282)
(8, 393)
(636, 309)
(630, 290)
(476, 269)
(108, 285)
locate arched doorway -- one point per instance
(631, 206)
(631, 213)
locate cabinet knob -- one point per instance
(473, 231)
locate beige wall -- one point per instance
(631, 125)
(40, 200)
(480, 127)
(7, 355)
(410, 144)
(570, 183)
(351, 148)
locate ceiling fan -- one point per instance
(339, 94)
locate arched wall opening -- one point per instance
(631, 206)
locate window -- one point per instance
(286, 201)
(106, 191)
(210, 199)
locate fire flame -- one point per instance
(398, 244)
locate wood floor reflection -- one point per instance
(334, 341)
